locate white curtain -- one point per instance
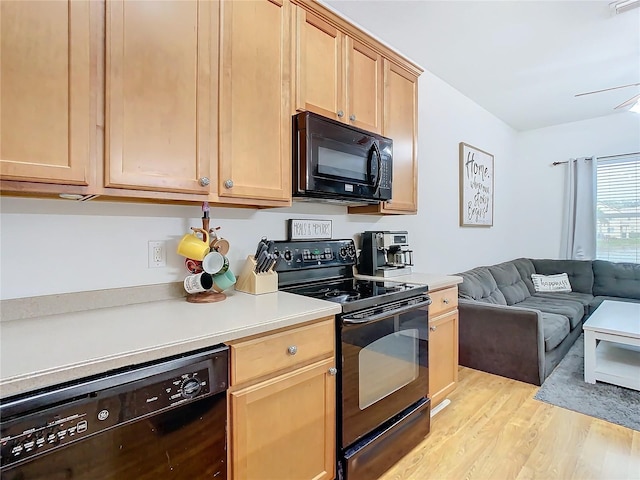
(578, 239)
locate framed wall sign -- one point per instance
(476, 187)
(309, 229)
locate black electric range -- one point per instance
(382, 409)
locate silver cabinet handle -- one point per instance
(445, 301)
(292, 350)
(204, 181)
(333, 371)
(340, 113)
(352, 117)
(433, 328)
(228, 183)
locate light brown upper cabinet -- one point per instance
(255, 113)
(319, 69)
(336, 76)
(45, 98)
(364, 86)
(400, 123)
(159, 100)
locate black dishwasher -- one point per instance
(160, 420)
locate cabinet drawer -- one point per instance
(270, 353)
(443, 300)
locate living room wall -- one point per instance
(541, 195)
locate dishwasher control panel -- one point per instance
(26, 436)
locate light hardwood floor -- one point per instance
(494, 429)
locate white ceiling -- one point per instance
(523, 61)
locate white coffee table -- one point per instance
(612, 344)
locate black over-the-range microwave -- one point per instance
(339, 163)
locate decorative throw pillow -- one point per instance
(551, 283)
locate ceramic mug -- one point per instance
(194, 266)
(220, 245)
(223, 281)
(191, 246)
(199, 282)
(215, 263)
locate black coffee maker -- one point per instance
(385, 254)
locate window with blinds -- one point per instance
(618, 209)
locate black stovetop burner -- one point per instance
(354, 294)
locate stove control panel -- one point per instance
(295, 255)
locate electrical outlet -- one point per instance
(157, 254)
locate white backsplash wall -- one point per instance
(56, 246)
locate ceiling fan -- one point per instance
(632, 101)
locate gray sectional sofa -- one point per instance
(509, 329)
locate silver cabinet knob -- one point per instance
(445, 301)
(433, 328)
(333, 371)
(352, 117)
(204, 181)
(228, 183)
(340, 113)
(292, 350)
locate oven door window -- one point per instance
(387, 365)
(384, 369)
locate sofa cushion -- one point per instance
(572, 310)
(555, 328)
(509, 282)
(584, 298)
(616, 279)
(595, 303)
(478, 284)
(525, 269)
(579, 271)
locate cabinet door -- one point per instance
(45, 70)
(364, 87)
(443, 356)
(158, 104)
(285, 427)
(255, 114)
(320, 76)
(401, 124)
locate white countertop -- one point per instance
(44, 351)
(433, 280)
(47, 350)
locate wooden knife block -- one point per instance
(256, 283)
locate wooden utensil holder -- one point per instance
(256, 283)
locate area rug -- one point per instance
(566, 388)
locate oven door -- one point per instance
(384, 364)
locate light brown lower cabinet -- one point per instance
(443, 344)
(282, 423)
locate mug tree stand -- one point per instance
(205, 297)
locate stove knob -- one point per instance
(190, 388)
(287, 255)
(343, 252)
